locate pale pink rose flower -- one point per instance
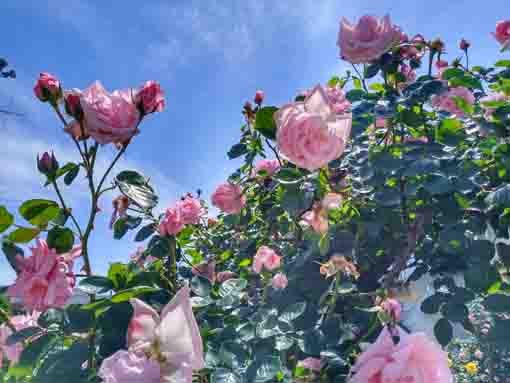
(380, 122)
(310, 133)
(317, 219)
(206, 270)
(331, 201)
(270, 166)
(13, 352)
(228, 198)
(414, 359)
(502, 33)
(336, 97)
(446, 102)
(259, 97)
(392, 307)
(172, 223)
(46, 279)
(408, 72)
(47, 88)
(110, 118)
(175, 333)
(223, 276)
(369, 39)
(150, 97)
(279, 281)
(266, 258)
(129, 367)
(190, 210)
(414, 140)
(312, 364)
(478, 354)
(492, 97)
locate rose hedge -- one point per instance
(344, 199)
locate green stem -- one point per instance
(66, 210)
(172, 262)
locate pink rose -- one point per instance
(269, 166)
(228, 198)
(414, 359)
(266, 258)
(206, 270)
(337, 100)
(259, 97)
(190, 210)
(317, 219)
(392, 307)
(408, 72)
(367, 40)
(46, 279)
(279, 281)
(441, 66)
(13, 351)
(47, 88)
(310, 133)
(332, 201)
(445, 101)
(110, 118)
(312, 364)
(478, 354)
(502, 33)
(225, 276)
(490, 98)
(175, 333)
(172, 223)
(126, 367)
(150, 97)
(75, 130)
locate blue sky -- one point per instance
(210, 56)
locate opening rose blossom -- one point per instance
(150, 97)
(228, 198)
(310, 133)
(172, 223)
(124, 366)
(266, 258)
(46, 279)
(279, 281)
(415, 358)
(190, 210)
(369, 39)
(47, 88)
(109, 117)
(447, 100)
(13, 351)
(269, 166)
(502, 34)
(392, 307)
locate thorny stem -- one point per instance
(362, 78)
(275, 152)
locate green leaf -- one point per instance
(145, 232)
(502, 63)
(63, 363)
(500, 196)
(438, 184)
(61, 239)
(443, 331)
(264, 369)
(61, 171)
(71, 175)
(421, 167)
(120, 228)
(233, 354)
(133, 185)
(22, 335)
(456, 312)
(6, 219)
(126, 295)
(50, 317)
(292, 312)
(452, 73)
(288, 176)
(232, 286)
(432, 304)
(11, 251)
(222, 375)
(411, 118)
(498, 303)
(31, 354)
(461, 103)
(237, 150)
(466, 81)
(39, 211)
(119, 275)
(201, 286)
(265, 123)
(96, 285)
(23, 235)
(283, 342)
(79, 320)
(355, 95)
(371, 70)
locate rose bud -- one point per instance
(259, 97)
(437, 45)
(47, 88)
(72, 104)
(464, 44)
(47, 164)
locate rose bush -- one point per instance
(346, 200)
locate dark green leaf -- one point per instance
(452, 73)
(61, 239)
(265, 123)
(372, 70)
(355, 95)
(292, 312)
(201, 286)
(456, 312)
(288, 176)
(498, 303)
(421, 167)
(136, 187)
(31, 354)
(222, 375)
(145, 232)
(233, 354)
(237, 151)
(50, 317)
(39, 211)
(503, 63)
(96, 285)
(232, 286)
(11, 251)
(126, 295)
(264, 370)
(6, 219)
(71, 175)
(23, 235)
(443, 331)
(411, 118)
(432, 304)
(22, 335)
